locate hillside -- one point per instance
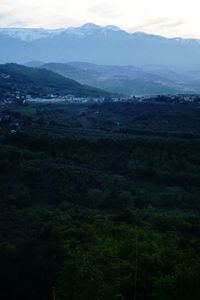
(41, 81)
(125, 79)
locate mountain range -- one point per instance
(108, 45)
(127, 80)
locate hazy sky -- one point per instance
(170, 18)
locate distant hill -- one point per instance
(98, 45)
(126, 79)
(42, 81)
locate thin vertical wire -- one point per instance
(136, 264)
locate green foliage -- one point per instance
(99, 219)
(90, 256)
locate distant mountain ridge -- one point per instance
(99, 45)
(30, 34)
(128, 80)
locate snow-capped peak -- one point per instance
(30, 34)
(112, 27)
(90, 28)
(86, 29)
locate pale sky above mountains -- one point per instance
(171, 18)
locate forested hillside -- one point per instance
(129, 80)
(99, 219)
(41, 82)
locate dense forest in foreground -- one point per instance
(116, 217)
